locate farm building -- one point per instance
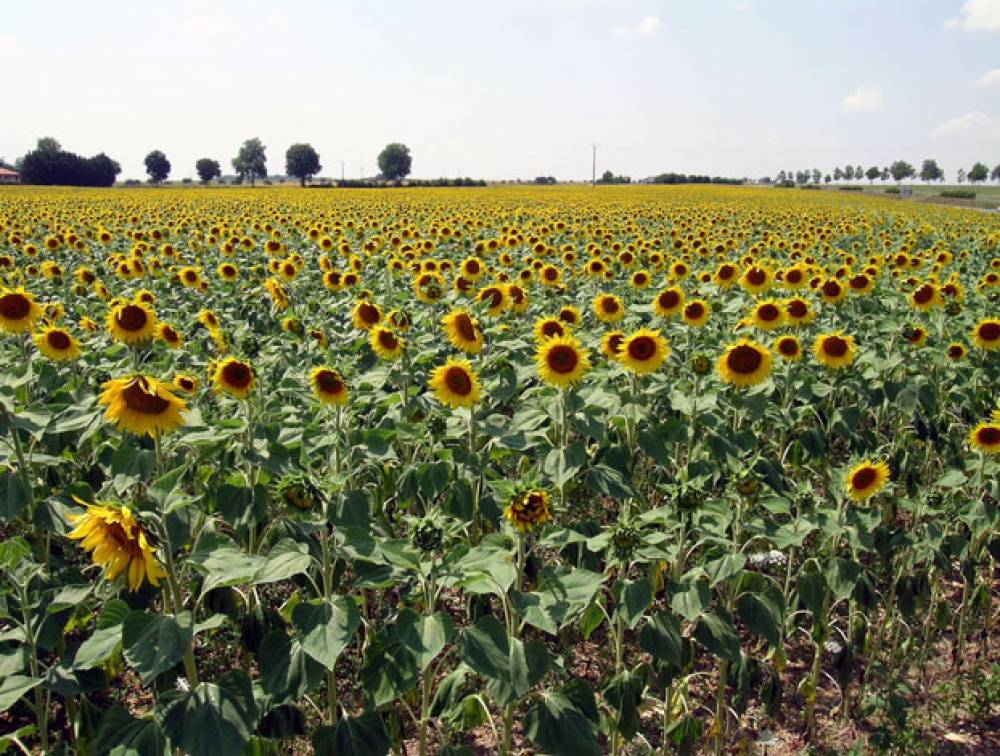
(8, 176)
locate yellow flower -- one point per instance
(386, 343)
(463, 331)
(789, 348)
(562, 361)
(18, 311)
(456, 384)
(550, 327)
(644, 351)
(57, 344)
(669, 302)
(528, 510)
(609, 308)
(117, 543)
(745, 363)
(866, 479)
(328, 386)
(366, 315)
(611, 344)
(169, 336)
(696, 313)
(142, 405)
(186, 383)
(986, 334)
(986, 436)
(768, 315)
(132, 323)
(835, 350)
(234, 377)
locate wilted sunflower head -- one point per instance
(528, 510)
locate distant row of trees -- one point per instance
(686, 178)
(49, 164)
(899, 171)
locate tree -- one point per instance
(817, 174)
(858, 172)
(157, 166)
(781, 176)
(51, 165)
(872, 173)
(901, 170)
(838, 174)
(828, 178)
(995, 173)
(960, 175)
(929, 171)
(48, 145)
(302, 161)
(394, 161)
(884, 176)
(208, 169)
(978, 173)
(849, 173)
(251, 162)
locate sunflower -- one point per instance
(725, 275)
(142, 405)
(986, 334)
(463, 331)
(915, 335)
(745, 363)
(456, 384)
(18, 311)
(366, 315)
(789, 348)
(57, 344)
(131, 323)
(386, 343)
(234, 377)
(611, 344)
(169, 336)
(798, 312)
(550, 275)
(186, 383)
(669, 302)
(986, 437)
(528, 510)
(117, 542)
(562, 361)
(609, 308)
(517, 298)
(768, 315)
(833, 291)
(228, 272)
(644, 351)
(570, 315)
(495, 299)
(550, 327)
(956, 351)
(756, 279)
(835, 350)
(866, 479)
(926, 297)
(696, 313)
(328, 386)
(472, 268)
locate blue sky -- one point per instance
(513, 88)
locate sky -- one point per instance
(509, 88)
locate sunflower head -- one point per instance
(386, 343)
(528, 510)
(986, 436)
(142, 405)
(463, 331)
(297, 491)
(866, 479)
(18, 311)
(835, 350)
(328, 386)
(644, 351)
(132, 323)
(745, 363)
(117, 542)
(57, 344)
(233, 377)
(456, 384)
(562, 361)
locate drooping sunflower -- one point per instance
(495, 299)
(18, 311)
(456, 384)
(385, 343)
(696, 313)
(234, 377)
(562, 361)
(986, 437)
(550, 327)
(366, 315)
(142, 405)
(609, 308)
(132, 323)
(169, 336)
(528, 510)
(745, 363)
(644, 351)
(669, 302)
(186, 383)
(118, 543)
(866, 479)
(788, 347)
(328, 386)
(835, 350)
(57, 344)
(463, 331)
(986, 334)
(611, 344)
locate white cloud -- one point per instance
(989, 79)
(8, 44)
(977, 15)
(208, 25)
(645, 27)
(863, 98)
(971, 126)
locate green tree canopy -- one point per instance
(251, 161)
(157, 166)
(929, 171)
(208, 169)
(901, 170)
(302, 161)
(394, 161)
(978, 172)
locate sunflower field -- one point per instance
(505, 470)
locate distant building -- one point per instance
(7, 176)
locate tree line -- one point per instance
(898, 171)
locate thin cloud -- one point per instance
(863, 98)
(644, 28)
(208, 25)
(989, 79)
(976, 15)
(975, 125)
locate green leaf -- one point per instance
(283, 668)
(286, 559)
(812, 589)
(624, 694)
(15, 686)
(692, 596)
(424, 637)
(759, 613)
(154, 643)
(724, 567)
(632, 599)
(98, 648)
(558, 727)
(716, 632)
(223, 562)
(954, 478)
(14, 495)
(389, 672)
(607, 481)
(561, 465)
(120, 734)
(214, 718)
(562, 595)
(325, 628)
(485, 649)
(661, 638)
(841, 576)
(353, 736)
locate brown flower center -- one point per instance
(329, 382)
(369, 313)
(989, 436)
(609, 305)
(831, 289)
(835, 346)
(694, 310)
(14, 306)
(642, 348)
(131, 318)
(58, 340)
(237, 374)
(562, 359)
(140, 397)
(669, 299)
(788, 347)
(924, 294)
(458, 380)
(552, 328)
(768, 313)
(756, 276)
(744, 359)
(388, 340)
(797, 308)
(989, 331)
(863, 478)
(615, 342)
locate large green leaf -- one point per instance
(716, 632)
(14, 495)
(353, 736)
(325, 628)
(286, 559)
(632, 599)
(661, 638)
(120, 734)
(154, 643)
(13, 687)
(214, 718)
(759, 613)
(424, 637)
(558, 727)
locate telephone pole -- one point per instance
(341, 170)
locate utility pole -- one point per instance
(341, 170)
(593, 164)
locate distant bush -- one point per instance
(810, 186)
(683, 178)
(545, 180)
(57, 167)
(959, 193)
(892, 190)
(850, 188)
(132, 182)
(785, 184)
